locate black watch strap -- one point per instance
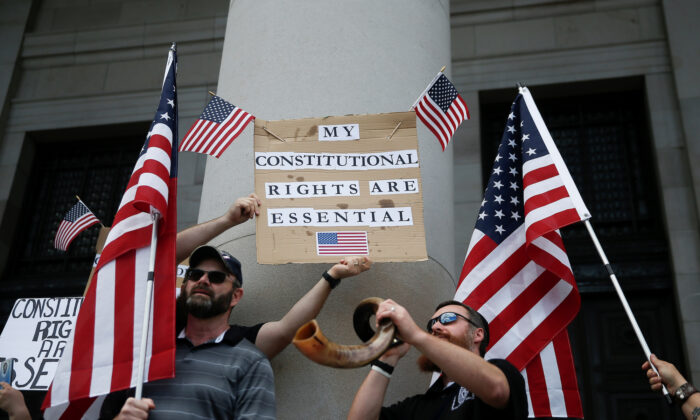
(332, 281)
(683, 393)
(383, 366)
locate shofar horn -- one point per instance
(313, 344)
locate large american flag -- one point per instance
(78, 218)
(217, 127)
(102, 354)
(342, 243)
(442, 109)
(516, 272)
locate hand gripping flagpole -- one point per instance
(625, 305)
(147, 305)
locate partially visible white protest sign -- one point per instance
(35, 337)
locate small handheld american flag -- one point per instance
(442, 109)
(217, 127)
(78, 218)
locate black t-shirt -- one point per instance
(456, 402)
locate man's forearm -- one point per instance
(275, 336)
(369, 398)
(469, 370)
(21, 413)
(691, 408)
(189, 239)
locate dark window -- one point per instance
(66, 163)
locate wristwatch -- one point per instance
(332, 281)
(683, 393)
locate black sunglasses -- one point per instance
(215, 277)
(448, 318)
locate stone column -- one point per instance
(680, 16)
(285, 60)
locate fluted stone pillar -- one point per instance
(286, 60)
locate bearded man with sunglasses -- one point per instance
(218, 372)
(211, 288)
(454, 344)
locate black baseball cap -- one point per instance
(206, 252)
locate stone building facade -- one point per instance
(79, 80)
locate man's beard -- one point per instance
(201, 306)
(427, 365)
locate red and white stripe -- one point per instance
(211, 138)
(68, 231)
(443, 125)
(550, 381)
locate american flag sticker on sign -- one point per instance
(342, 243)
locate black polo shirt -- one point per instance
(456, 402)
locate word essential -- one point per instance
(374, 217)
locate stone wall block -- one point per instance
(515, 37)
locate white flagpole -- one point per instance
(426, 89)
(625, 305)
(147, 306)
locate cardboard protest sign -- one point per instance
(336, 186)
(35, 337)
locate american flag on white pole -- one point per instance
(217, 127)
(76, 220)
(442, 109)
(516, 272)
(102, 354)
